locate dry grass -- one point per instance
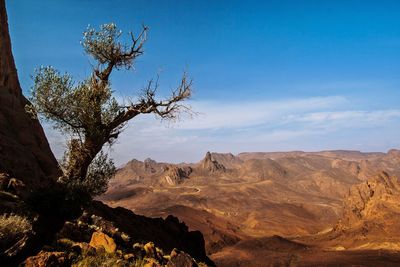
(12, 228)
(104, 259)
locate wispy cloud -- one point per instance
(218, 115)
(306, 123)
(346, 119)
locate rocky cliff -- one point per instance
(24, 151)
(176, 175)
(373, 200)
(371, 215)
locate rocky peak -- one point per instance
(208, 156)
(176, 175)
(24, 151)
(150, 165)
(211, 165)
(150, 161)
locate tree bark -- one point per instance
(82, 156)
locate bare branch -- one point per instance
(166, 109)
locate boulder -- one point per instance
(180, 259)
(48, 259)
(101, 240)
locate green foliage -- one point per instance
(74, 108)
(12, 228)
(101, 170)
(99, 173)
(104, 46)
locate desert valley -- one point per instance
(266, 76)
(255, 209)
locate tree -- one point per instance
(89, 112)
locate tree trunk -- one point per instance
(82, 156)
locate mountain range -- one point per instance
(288, 207)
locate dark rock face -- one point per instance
(24, 151)
(166, 234)
(180, 259)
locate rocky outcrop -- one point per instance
(176, 175)
(125, 235)
(150, 165)
(211, 165)
(24, 151)
(229, 160)
(180, 259)
(370, 217)
(166, 233)
(372, 200)
(104, 236)
(140, 171)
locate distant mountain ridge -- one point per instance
(254, 195)
(342, 154)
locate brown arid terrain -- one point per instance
(329, 208)
(258, 209)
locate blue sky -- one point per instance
(268, 75)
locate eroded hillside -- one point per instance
(234, 199)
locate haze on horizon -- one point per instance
(268, 76)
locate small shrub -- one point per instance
(12, 228)
(100, 259)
